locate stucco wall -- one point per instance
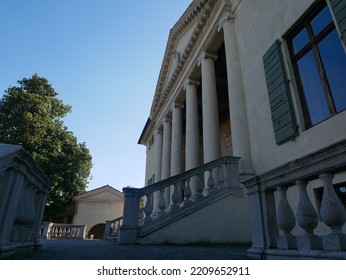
(225, 221)
(92, 213)
(258, 24)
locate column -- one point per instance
(166, 154)
(192, 149)
(237, 106)
(176, 150)
(158, 165)
(210, 113)
(177, 140)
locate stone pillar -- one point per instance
(210, 114)
(11, 194)
(129, 229)
(176, 149)
(177, 140)
(166, 154)
(192, 149)
(237, 106)
(158, 165)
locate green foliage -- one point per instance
(31, 115)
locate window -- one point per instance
(319, 62)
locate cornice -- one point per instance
(200, 11)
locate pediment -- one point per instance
(105, 193)
(178, 41)
(180, 44)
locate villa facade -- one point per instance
(261, 85)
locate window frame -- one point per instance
(305, 22)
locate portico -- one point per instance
(197, 126)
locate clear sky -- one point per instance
(103, 58)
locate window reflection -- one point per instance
(334, 62)
(313, 89)
(321, 21)
(320, 65)
(301, 40)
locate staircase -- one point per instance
(202, 205)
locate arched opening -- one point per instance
(97, 231)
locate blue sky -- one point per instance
(103, 58)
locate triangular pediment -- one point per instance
(178, 41)
(106, 193)
(180, 45)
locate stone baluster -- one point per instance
(333, 215)
(162, 202)
(187, 192)
(148, 209)
(175, 196)
(221, 177)
(199, 186)
(307, 219)
(286, 221)
(211, 182)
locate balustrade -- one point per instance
(309, 214)
(62, 231)
(112, 228)
(332, 214)
(226, 170)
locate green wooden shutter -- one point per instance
(339, 10)
(284, 123)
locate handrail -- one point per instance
(112, 228)
(181, 177)
(175, 193)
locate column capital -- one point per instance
(159, 130)
(189, 82)
(177, 104)
(206, 55)
(166, 120)
(227, 17)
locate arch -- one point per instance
(97, 230)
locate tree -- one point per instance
(31, 115)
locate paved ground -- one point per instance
(107, 250)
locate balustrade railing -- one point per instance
(62, 231)
(177, 192)
(295, 207)
(112, 228)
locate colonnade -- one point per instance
(169, 135)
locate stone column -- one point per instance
(177, 140)
(166, 154)
(192, 149)
(237, 106)
(210, 112)
(176, 149)
(158, 165)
